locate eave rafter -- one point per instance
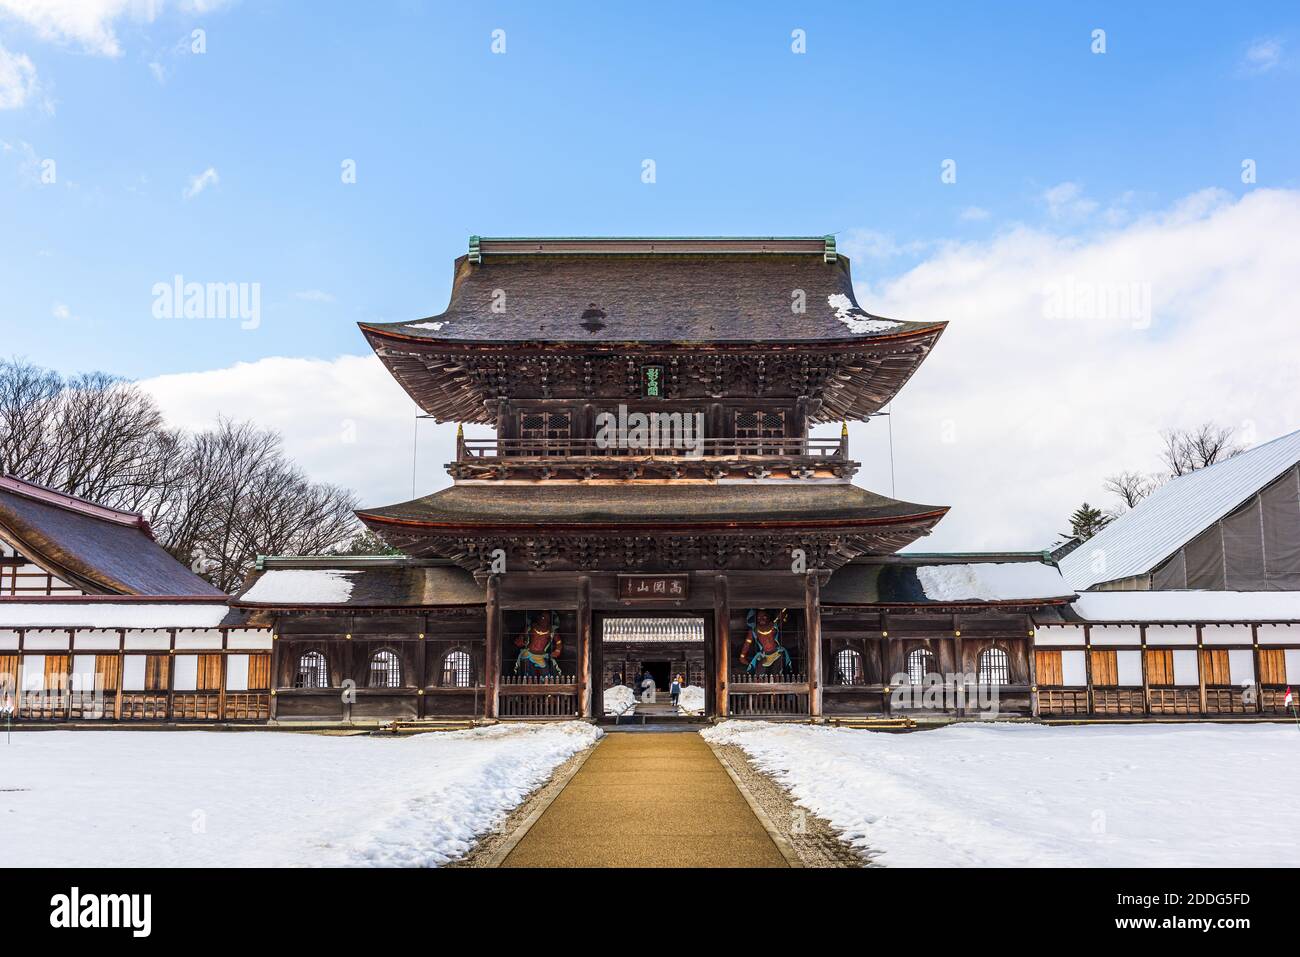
(458, 382)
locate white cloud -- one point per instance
(1013, 420)
(61, 311)
(18, 82)
(159, 71)
(345, 421)
(864, 244)
(1017, 417)
(1263, 55)
(89, 24)
(201, 181)
(1066, 201)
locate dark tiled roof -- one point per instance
(657, 506)
(97, 549)
(655, 298)
(395, 584)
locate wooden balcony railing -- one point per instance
(477, 450)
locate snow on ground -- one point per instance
(619, 699)
(1016, 795)
(691, 700)
(211, 798)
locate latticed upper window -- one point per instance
(544, 433)
(313, 671)
(385, 670)
(456, 670)
(920, 662)
(994, 668)
(762, 431)
(848, 667)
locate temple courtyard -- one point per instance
(965, 795)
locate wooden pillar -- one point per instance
(421, 671)
(1200, 665)
(1031, 659)
(722, 643)
(1087, 663)
(812, 614)
(121, 672)
(1259, 682)
(585, 696)
(959, 665)
(886, 659)
(1146, 678)
(221, 678)
(492, 647)
(171, 676)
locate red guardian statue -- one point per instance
(539, 646)
(763, 652)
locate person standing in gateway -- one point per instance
(675, 689)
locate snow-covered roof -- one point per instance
(992, 581)
(1240, 606)
(939, 579)
(301, 586)
(1174, 514)
(111, 614)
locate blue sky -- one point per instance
(450, 139)
(1073, 168)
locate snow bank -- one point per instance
(301, 586)
(1028, 795)
(214, 799)
(992, 581)
(1189, 606)
(619, 699)
(691, 700)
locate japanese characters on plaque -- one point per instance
(653, 587)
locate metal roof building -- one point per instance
(1234, 525)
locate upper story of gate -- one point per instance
(727, 327)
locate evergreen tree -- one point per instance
(1087, 522)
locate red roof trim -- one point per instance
(72, 503)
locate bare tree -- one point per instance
(1132, 487)
(1186, 450)
(216, 499)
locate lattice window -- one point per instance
(760, 432)
(920, 662)
(385, 669)
(848, 667)
(544, 433)
(995, 667)
(457, 670)
(313, 671)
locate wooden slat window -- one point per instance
(8, 679)
(1047, 668)
(848, 667)
(56, 672)
(768, 426)
(457, 670)
(920, 662)
(1272, 666)
(156, 669)
(385, 669)
(1160, 667)
(208, 677)
(545, 433)
(1105, 669)
(259, 672)
(1214, 664)
(108, 669)
(994, 667)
